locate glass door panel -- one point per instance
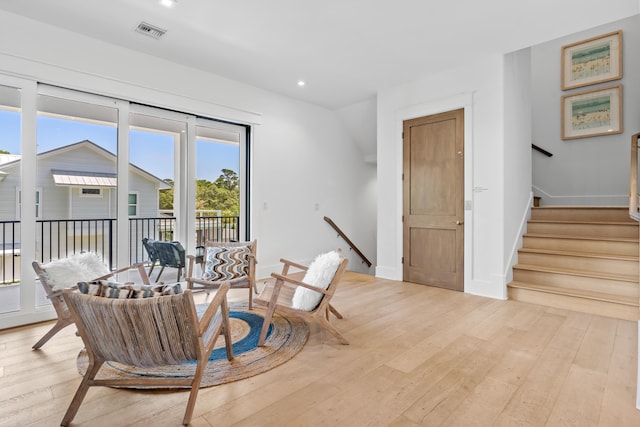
(154, 140)
(10, 149)
(76, 178)
(220, 180)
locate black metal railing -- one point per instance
(541, 150)
(60, 238)
(10, 260)
(217, 228)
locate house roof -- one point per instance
(71, 177)
(84, 179)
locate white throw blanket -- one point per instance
(67, 272)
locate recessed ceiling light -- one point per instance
(168, 3)
(301, 83)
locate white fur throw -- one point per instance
(67, 272)
(319, 274)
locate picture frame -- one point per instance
(593, 112)
(591, 61)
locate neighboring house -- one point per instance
(74, 182)
(78, 181)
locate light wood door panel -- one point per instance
(433, 194)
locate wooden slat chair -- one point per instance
(53, 286)
(309, 298)
(233, 262)
(151, 332)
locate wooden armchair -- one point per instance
(65, 273)
(151, 332)
(232, 262)
(308, 298)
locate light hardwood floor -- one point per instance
(418, 356)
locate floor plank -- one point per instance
(419, 356)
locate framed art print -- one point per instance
(592, 113)
(591, 61)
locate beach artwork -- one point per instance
(592, 113)
(592, 61)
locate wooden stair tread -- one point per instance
(582, 237)
(583, 222)
(598, 296)
(581, 258)
(582, 273)
(551, 207)
(580, 254)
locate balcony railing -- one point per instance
(60, 238)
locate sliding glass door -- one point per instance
(10, 153)
(220, 182)
(155, 140)
(86, 173)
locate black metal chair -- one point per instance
(151, 252)
(170, 254)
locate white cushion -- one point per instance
(67, 272)
(319, 274)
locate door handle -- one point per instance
(459, 222)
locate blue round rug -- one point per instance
(286, 337)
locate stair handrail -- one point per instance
(541, 150)
(634, 211)
(352, 246)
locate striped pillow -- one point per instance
(226, 263)
(108, 289)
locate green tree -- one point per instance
(166, 196)
(228, 180)
(222, 195)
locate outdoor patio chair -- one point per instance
(308, 298)
(65, 273)
(161, 331)
(233, 262)
(170, 254)
(151, 253)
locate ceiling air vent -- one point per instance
(150, 30)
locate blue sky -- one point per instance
(152, 152)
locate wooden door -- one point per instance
(433, 207)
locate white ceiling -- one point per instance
(344, 49)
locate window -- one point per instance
(38, 202)
(91, 192)
(133, 204)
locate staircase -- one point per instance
(580, 258)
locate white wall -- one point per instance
(479, 89)
(583, 171)
(301, 154)
(517, 154)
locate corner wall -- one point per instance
(583, 171)
(517, 154)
